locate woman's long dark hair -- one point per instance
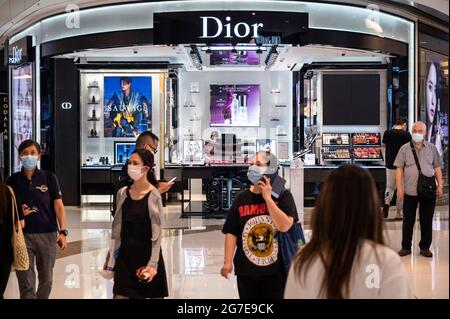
(346, 213)
(149, 160)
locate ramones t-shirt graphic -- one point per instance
(257, 251)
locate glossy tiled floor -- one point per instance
(193, 252)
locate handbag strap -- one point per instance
(415, 158)
(15, 215)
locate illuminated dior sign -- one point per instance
(240, 30)
(16, 55)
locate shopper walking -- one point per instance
(40, 197)
(394, 139)
(146, 141)
(418, 159)
(136, 256)
(346, 256)
(250, 233)
(6, 231)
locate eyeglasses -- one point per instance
(155, 150)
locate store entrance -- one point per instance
(212, 108)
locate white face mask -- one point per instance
(417, 137)
(135, 172)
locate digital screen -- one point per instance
(22, 109)
(226, 57)
(123, 152)
(235, 105)
(352, 99)
(434, 102)
(128, 105)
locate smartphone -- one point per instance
(59, 243)
(277, 183)
(172, 180)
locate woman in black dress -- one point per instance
(139, 270)
(6, 231)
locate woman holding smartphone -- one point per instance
(139, 270)
(254, 219)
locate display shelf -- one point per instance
(194, 91)
(93, 87)
(93, 103)
(367, 159)
(93, 120)
(93, 137)
(366, 139)
(337, 159)
(280, 134)
(275, 120)
(280, 105)
(331, 139)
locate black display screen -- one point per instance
(351, 99)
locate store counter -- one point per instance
(220, 184)
(314, 176)
(99, 179)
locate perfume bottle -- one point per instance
(93, 99)
(234, 110)
(95, 133)
(243, 111)
(93, 113)
(92, 132)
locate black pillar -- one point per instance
(67, 130)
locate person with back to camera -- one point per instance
(394, 139)
(347, 245)
(135, 256)
(250, 231)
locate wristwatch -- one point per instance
(64, 232)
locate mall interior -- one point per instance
(316, 83)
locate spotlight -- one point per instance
(259, 51)
(234, 51)
(195, 57)
(208, 51)
(271, 57)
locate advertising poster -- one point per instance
(226, 57)
(433, 90)
(22, 109)
(127, 109)
(235, 105)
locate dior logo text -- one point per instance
(240, 30)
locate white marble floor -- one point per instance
(193, 253)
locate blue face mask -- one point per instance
(29, 162)
(255, 174)
(417, 137)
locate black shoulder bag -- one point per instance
(426, 186)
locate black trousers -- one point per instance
(426, 212)
(5, 271)
(261, 287)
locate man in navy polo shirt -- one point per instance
(40, 196)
